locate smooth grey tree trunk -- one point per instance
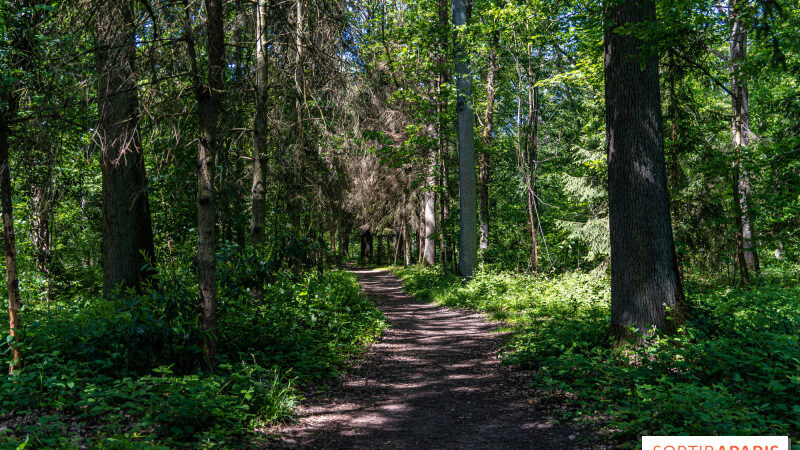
(467, 235)
(740, 127)
(643, 271)
(127, 228)
(429, 225)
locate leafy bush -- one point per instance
(732, 369)
(125, 369)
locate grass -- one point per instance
(734, 367)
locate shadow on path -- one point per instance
(432, 381)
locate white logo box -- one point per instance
(715, 442)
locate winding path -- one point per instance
(432, 381)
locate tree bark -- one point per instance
(488, 120)
(379, 253)
(741, 132)
(344, 240)
(127, 228)
(260, 127)
(9, 240)
(530, 163)
(429, 225)
(208, 97)
(406, 245)
(467, 242)
(41, 217)
(643, 271)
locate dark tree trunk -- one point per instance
(643, 275)
(468, 239)
(9, 241)
(259, 203)
(379, 253)
(127, 228)
(368, 241)
(208, 97)
(344, 241)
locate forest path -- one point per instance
(432, 381)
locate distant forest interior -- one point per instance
(189, 188)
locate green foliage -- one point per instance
(732, 369)
(130, 361)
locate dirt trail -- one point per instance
(432, 381)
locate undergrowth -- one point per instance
(733, 369)
(123, 371)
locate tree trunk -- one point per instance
(369, 245)
(260, 127)
(344, 241)
(260, 130)
(396, 247)
(41, 218)
(208, 99)
(127, 228)
(467, 239)
(741, 132)
(530, 163)
(379, 253)
(429, 224)
(441, 132)
(488, 119)
(363, 250)
(741, 259)
(406, 245)
(9, 242)
(643, 275)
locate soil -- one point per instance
(433, 380)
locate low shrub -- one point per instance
(125, 370)
(732, 369)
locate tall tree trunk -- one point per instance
(9, 242)
(488, 120)
(127, 228)
(397, 241)
(429, 224)
(406, 244)
(467, 239)
(643, 276)
(344, 240)
(443, 197)
(260, 127)
(741, 131)
(673, 152)
(260, 130)
(741, 260)
(368, 240)
(379, 254)
(41, 217)
(530, 163)
(208, 99)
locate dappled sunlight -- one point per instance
(433, 381)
